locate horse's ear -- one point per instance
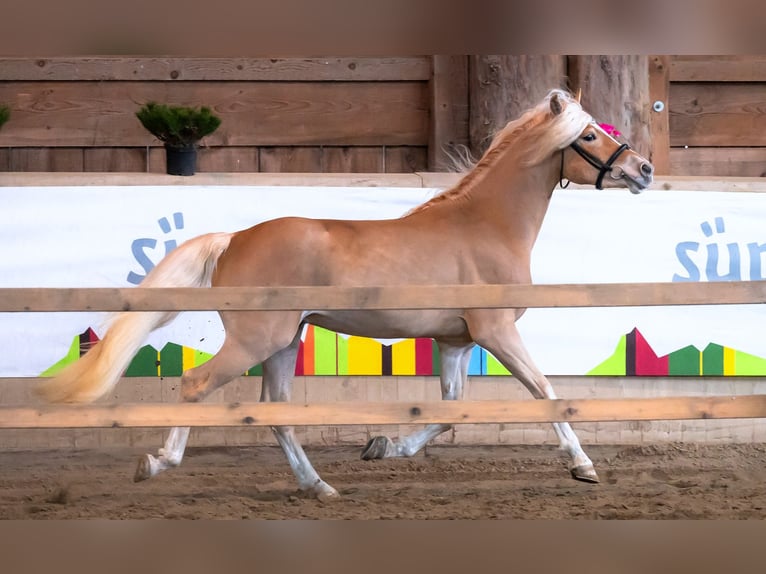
(556, 105)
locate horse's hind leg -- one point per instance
(454, 373)
(498, 334)
(236, 356)
(230, 362)
(167, 457)
(278, 372)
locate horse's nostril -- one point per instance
(647, 169)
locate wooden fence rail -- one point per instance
(365, 413)
(388, 297)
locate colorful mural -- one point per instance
(326, 353)
(321, 352)
(635, 357)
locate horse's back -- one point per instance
(302, 251)
(282, 251)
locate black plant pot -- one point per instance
(181, 160)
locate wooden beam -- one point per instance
(659, 128)
(387, 297)
(134, 69)
(449, 110)
(718, 68)
(368, 413)
(77, 179)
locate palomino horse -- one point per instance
(479, 232)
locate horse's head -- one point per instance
(595, 157)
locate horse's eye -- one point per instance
(589, 137)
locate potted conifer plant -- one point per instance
(179, 128)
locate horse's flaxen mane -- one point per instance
(534, 136)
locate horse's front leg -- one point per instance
(454, 372)
(496, 332)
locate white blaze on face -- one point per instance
(620, 173)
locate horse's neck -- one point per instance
(514, 199)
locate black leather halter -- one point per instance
(602, 167)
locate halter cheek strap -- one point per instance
(602, 168)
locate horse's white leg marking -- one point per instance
(278, 372)
(308, 478)
(169, 456)
(504, 342)
(454, 373)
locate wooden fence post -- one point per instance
(659, 124)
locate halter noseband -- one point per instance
(602, 168)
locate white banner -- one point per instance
(111, 236)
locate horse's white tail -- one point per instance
(97, 372)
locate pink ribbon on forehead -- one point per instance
(610, 129)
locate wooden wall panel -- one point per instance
(114, 159)
(406, 159)
(352, 160)
(46, 159)
(211, 160)
(291, 159)
(102, 114)
(718, 161)
(349, 114)
(348, 109)
(156, 162)
(373, 159)
(228, 159)
(717, 114)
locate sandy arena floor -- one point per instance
(669, 481)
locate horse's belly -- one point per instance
(391, 324)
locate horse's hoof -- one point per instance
(327, 494)
(376, 448)
(585, 473)
(145, 468)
